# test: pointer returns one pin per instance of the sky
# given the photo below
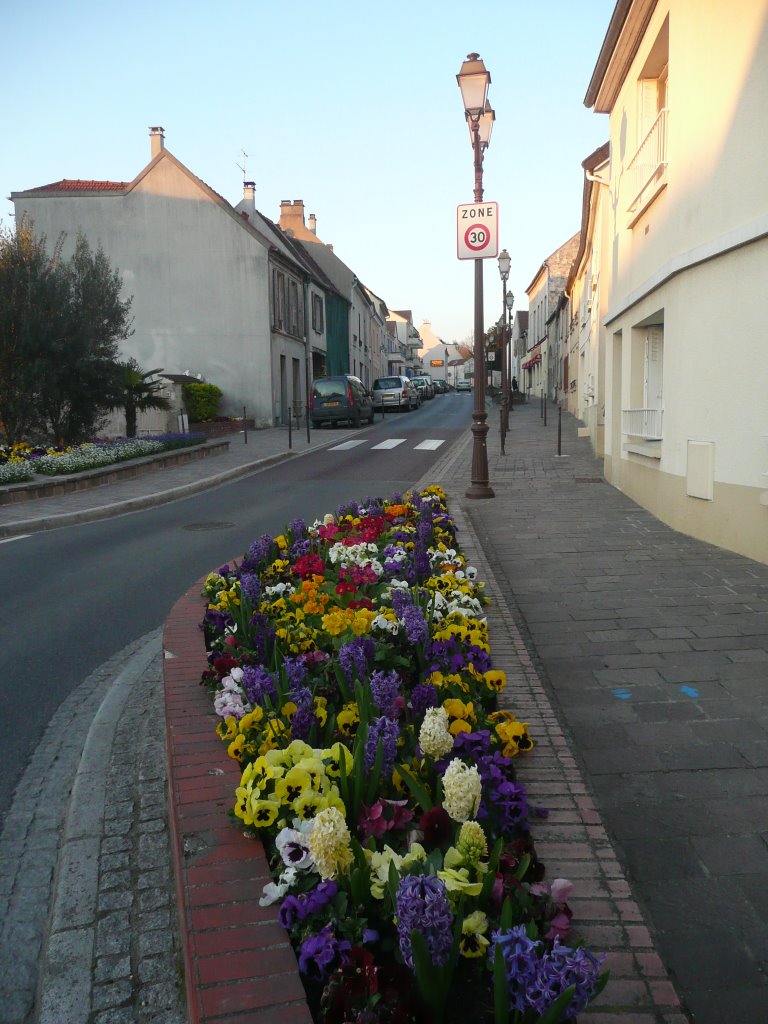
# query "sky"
(353, 108)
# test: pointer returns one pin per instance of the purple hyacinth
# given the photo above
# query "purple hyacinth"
(535, 981)
(322, 953)
(401, 599)
(521, 962)
(250, 585)
(260, 550)
(295, 671)
(356, 656)
(416, 627)
(258, 685)
(385, 691)
(422, 904)
(423, 696)
(304, 716)
(386, 730)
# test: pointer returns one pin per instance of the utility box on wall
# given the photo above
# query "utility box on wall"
(700, 480)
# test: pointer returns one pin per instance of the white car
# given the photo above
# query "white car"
(463, 385)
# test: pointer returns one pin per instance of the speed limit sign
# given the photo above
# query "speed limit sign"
(477, 236)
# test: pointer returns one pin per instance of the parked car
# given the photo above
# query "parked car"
(441, 386)
(463, 385)
(395, 392)
(424, 385)
(334, 399)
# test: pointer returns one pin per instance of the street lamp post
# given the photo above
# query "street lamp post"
(509, 301)
(505, 263)
(474, 79)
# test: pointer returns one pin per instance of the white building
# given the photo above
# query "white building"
(684, 267)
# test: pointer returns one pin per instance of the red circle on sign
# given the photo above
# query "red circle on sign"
(476, 247)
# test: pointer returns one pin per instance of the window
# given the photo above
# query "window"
(644, 419)
(278, 300)
(293, 318)
(647, 170)
(317, 314)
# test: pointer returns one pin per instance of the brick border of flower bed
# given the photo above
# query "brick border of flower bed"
(53, 487)
(238, 961)
(239, 964)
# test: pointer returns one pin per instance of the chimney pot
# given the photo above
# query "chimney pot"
(313, 223)
(157, 140)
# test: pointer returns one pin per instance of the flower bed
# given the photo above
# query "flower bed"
(20, 462)
(350, 667)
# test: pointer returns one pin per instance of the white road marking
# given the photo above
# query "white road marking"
(430, 446)
(391, 442)
(21, 536)
(345, 446)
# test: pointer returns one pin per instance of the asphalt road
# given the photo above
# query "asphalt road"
(73, 597)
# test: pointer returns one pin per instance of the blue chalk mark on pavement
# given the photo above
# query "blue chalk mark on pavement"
(689, 691)
(622, 694)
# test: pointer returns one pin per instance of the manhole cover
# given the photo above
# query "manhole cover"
(207, 526)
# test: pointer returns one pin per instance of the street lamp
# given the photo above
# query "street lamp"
(474, 79)
(509, 301)
(505, 262)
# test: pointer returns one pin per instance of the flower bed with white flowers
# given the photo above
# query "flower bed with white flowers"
(350, 667)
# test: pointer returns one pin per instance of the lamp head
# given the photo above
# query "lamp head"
(505, 262)
(473, 79)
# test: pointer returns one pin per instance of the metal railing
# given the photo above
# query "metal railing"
(645, 423)
(649, 164)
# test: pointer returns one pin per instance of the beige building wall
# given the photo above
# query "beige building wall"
(684, 325)
(199, 279)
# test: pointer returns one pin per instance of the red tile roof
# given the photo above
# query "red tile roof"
(79, 185)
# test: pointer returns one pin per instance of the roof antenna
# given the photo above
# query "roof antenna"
(244, 164)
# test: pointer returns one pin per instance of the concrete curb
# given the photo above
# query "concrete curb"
(27, 526)
(64, 982)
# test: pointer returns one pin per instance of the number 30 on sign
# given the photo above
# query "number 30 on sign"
(477, 231)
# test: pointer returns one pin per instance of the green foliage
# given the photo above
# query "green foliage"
(138, 393)
(201, 401)
(60, 324)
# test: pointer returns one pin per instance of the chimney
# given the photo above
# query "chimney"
(249, 198)
(313, 223)
(292, 217)
(157, 140)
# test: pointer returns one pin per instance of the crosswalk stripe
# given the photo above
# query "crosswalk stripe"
(391, 442)
(345, 446)
(430, 446)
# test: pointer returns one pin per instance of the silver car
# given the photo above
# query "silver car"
(395, 392)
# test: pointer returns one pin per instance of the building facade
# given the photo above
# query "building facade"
(685, 262)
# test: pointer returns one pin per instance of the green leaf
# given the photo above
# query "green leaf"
(507, 915)
(522, 867)
(500, 988)
(418, 791)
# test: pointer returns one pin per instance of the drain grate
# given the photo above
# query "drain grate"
(589, 480)
(207, 526)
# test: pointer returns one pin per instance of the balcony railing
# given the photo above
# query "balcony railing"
(648, 166)
(645, 423)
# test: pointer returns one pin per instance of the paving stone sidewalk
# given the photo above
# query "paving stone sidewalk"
(654, 650)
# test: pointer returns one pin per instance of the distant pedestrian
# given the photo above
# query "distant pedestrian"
(514, 384)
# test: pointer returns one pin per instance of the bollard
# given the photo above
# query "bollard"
(501, 429)
(545, 411)
(308, 438)
(541, 405)
(290, 434)
(245, 427)
(559, 430)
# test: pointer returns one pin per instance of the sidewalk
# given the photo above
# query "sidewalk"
(637, 654)
(244, 453)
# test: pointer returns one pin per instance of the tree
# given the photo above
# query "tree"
(60, 324)
(31, 301)
(79, 372)
(139, 393)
